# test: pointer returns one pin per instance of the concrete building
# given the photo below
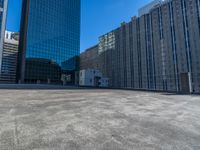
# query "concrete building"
(159, 50)
(93, 78)
(89, 58)
(9, 57)
(3, 14)
(147, 8)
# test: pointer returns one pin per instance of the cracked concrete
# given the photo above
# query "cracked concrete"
(86, 119)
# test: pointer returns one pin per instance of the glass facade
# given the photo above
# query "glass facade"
(1, 3)
(1, 18)
(1, 15)
(52, 38)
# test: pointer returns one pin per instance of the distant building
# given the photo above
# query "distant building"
(159, 50)
(3, 14)
(89, 58)
(49, 37)
(93, 78)
(106, 42)
(9, 57)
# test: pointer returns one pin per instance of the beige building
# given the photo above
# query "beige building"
(9, 57)
(159, 50)
(89, 58)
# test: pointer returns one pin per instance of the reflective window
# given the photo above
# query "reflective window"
(53, 32)
(1, 3)
(1, 18)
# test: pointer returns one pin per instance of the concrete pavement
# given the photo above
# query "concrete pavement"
(98, 120)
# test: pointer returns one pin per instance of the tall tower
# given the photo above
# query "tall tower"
(3, 14)
(49, 39)
(9, 57)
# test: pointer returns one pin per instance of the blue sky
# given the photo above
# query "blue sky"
(98, 17)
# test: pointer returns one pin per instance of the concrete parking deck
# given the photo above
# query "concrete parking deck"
(82, 119)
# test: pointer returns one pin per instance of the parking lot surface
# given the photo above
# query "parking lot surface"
(98, 119)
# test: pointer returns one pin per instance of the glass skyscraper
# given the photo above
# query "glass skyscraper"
(3, 13)
(50, 39)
